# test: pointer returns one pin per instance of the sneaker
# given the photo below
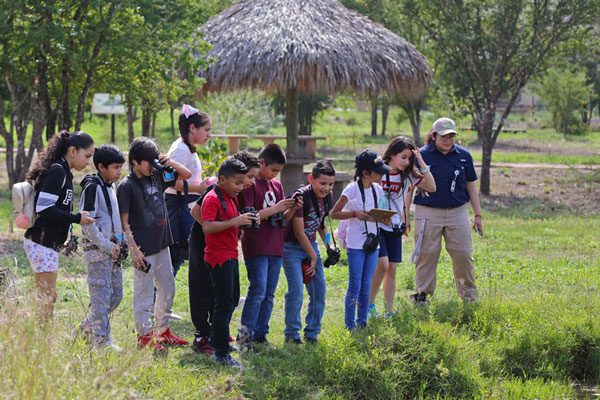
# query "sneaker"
(227, 361)
(419, 298)
(175, 317)
(263, 342)
(289, 339)
(84, 331)
(148, 340)
(170, 339)
(309, 340)
(201, 344)
(372, 312)
(109, 345)
(390, 314)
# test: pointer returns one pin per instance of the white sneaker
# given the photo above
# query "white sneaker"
(108, 345)
(175, 317)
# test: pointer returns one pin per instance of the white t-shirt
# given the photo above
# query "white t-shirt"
(395, 193)
(355, 231)
(181, 153)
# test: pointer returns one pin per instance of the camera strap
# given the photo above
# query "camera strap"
(388, 190)
(312, 198)
(107, 201)
(362, 195)
(222, 199)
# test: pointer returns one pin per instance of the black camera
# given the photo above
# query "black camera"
(371, 242)
(254, 224)
(399, 230)
(167, 172)
(123, 248)
(71, 246)
(333, 257)
(277, 220)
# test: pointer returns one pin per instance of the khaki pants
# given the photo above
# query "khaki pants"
(160, 276)
(453, 225)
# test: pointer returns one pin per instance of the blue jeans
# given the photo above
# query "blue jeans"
(361, 267)
(293, 254)
(263, 275)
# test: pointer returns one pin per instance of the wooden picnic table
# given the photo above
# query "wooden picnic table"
(234, 141)
(310, 142)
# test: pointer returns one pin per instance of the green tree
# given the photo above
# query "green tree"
(491, 49)
(566, 94)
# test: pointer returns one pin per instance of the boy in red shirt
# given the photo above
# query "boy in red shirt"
(220, 222)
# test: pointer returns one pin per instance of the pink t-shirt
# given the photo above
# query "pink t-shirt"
(266, 240)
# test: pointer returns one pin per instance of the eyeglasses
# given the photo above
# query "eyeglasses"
(448, 136)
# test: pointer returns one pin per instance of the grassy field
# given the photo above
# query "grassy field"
(534, 334)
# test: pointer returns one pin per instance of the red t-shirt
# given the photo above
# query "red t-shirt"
(266, 240)
(220, 246)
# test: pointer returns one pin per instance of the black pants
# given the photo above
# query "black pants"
(226, 283)
(202, 296)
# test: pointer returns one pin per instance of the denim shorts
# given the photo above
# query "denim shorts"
(390, 246)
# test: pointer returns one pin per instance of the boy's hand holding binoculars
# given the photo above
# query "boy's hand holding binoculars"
(246, 219)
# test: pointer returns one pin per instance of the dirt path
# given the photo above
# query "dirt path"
(542, 166)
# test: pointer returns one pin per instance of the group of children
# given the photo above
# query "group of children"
(246, 203)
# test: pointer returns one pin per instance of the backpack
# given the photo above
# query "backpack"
(23, 199)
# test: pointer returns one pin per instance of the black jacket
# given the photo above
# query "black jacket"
(53, 204)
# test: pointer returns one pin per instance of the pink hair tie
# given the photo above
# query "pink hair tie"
(188, 110)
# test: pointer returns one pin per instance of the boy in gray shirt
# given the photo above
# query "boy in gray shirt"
(102, 245)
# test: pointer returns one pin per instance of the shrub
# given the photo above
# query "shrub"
(566, 94)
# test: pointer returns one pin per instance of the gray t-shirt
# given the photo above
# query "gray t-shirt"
(143, 199)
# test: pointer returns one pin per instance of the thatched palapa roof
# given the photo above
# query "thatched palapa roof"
(309, 45)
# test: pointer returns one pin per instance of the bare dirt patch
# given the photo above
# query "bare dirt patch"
(544, 191)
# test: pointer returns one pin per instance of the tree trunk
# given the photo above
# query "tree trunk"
(414, 117)
(385, 110)
(291, 122)
(130, 119)
(374, 115)
(153, 125)
(65, 117)
(8, 142)
(485, 125)
(146, 121)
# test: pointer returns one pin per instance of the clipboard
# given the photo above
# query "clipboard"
(381, 214)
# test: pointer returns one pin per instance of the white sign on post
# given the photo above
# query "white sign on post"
(105, 103)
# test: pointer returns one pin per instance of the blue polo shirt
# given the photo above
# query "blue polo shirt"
(456, 166)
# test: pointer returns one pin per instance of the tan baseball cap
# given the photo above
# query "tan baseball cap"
(444, 126)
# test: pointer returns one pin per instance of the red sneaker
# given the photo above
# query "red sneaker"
(149, 340)
(170, 339)
(202, 345)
